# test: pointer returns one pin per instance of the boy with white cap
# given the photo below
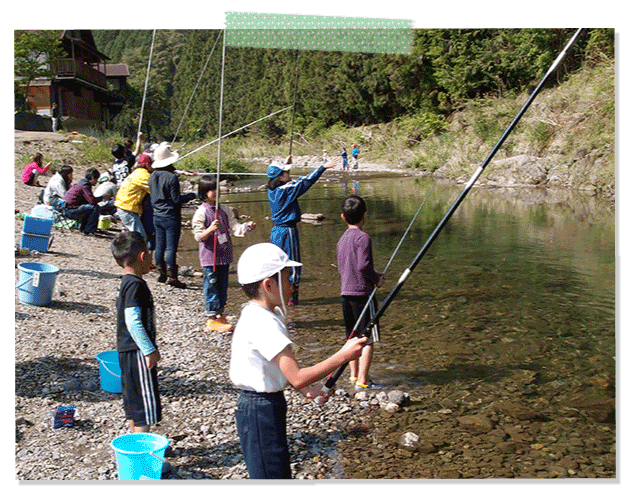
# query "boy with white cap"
(262, 363)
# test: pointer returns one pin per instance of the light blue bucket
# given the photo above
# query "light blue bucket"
(36, 282)
(140, 455)
(109, 369)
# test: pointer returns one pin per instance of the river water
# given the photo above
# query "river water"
(518, 278)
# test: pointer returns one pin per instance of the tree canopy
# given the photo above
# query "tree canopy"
(447, 67)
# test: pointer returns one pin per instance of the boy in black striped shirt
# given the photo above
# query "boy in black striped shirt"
(136, 335)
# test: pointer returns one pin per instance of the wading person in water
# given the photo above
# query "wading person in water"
(283, 194)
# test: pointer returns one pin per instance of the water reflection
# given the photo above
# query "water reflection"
(517, 279)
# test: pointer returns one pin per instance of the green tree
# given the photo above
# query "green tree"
(35, 55)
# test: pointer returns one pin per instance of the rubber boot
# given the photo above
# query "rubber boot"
(161, 269)
(171, 272)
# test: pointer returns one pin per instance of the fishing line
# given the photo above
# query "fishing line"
(196, 86)
(233, 132)
(332, 379)
(146, 82)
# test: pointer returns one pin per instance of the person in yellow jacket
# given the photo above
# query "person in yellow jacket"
(131, 194)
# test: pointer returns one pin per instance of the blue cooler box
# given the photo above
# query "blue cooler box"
(36, 233)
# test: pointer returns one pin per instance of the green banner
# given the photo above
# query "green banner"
(329, 33)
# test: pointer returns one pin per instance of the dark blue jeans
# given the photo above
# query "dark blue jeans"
(86, 216)
(261, 422)
(167, 232)
(215, 288)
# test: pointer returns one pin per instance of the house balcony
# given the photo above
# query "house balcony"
(69, 68)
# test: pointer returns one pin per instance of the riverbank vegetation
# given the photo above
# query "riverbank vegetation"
(439, 110)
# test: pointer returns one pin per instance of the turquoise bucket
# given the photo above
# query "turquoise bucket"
(109, 370)
(36, 282)
(140, 455)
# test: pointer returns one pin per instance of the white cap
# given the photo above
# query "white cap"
(261, 261)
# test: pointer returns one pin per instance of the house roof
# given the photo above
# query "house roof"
(114, 69)
(85, 40)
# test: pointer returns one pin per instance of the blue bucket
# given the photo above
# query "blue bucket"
(140, 455)
(36, 282)
(109, 370)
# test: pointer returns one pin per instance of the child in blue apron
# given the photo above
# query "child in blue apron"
(283, 193)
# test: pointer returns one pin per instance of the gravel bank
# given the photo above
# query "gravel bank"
(513, 425)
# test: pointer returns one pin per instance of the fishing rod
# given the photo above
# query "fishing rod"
(367, 304)
(216, 205)
(295, 90)
(332, 379)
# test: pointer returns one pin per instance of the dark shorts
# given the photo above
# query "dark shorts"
(141, 399)
(352, 306)
(261, 422)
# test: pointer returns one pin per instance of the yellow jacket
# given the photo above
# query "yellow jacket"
(132, 191)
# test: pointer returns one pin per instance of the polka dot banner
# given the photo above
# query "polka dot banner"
(328, 33)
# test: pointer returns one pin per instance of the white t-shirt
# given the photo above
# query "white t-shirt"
(260, 335)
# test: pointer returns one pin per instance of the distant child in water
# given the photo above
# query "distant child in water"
(209, 225)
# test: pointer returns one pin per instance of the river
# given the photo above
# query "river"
(516, 277)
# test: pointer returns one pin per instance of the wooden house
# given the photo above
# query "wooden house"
(87, 91)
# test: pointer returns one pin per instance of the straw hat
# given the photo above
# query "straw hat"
(163, 156)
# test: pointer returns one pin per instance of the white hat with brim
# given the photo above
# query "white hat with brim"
(261, 261)
(163, 156)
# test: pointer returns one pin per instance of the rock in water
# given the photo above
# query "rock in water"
(399, 398)
(476, 424)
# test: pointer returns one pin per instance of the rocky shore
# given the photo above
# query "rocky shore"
(501, 427)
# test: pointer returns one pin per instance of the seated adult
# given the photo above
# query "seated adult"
(57, 187)
(105, 185)
(82, 205)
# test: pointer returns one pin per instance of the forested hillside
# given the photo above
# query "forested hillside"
(447, 69)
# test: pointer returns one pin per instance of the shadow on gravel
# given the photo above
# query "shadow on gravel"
(82, 307)
(78, 379)
(64, 379)
(174, 385)
(92, 274)
(210, 457)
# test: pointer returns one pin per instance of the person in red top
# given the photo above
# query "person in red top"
(82, 205)
(33, 169)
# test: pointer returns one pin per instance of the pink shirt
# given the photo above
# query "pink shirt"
(29, 169)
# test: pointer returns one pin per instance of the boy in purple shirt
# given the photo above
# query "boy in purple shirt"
(358, 279)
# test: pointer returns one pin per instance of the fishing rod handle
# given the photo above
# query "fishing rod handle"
(319, 400)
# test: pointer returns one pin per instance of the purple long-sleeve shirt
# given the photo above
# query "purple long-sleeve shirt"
(354, 261)
(81, 194)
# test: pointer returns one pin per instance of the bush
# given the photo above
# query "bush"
(422, 125)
